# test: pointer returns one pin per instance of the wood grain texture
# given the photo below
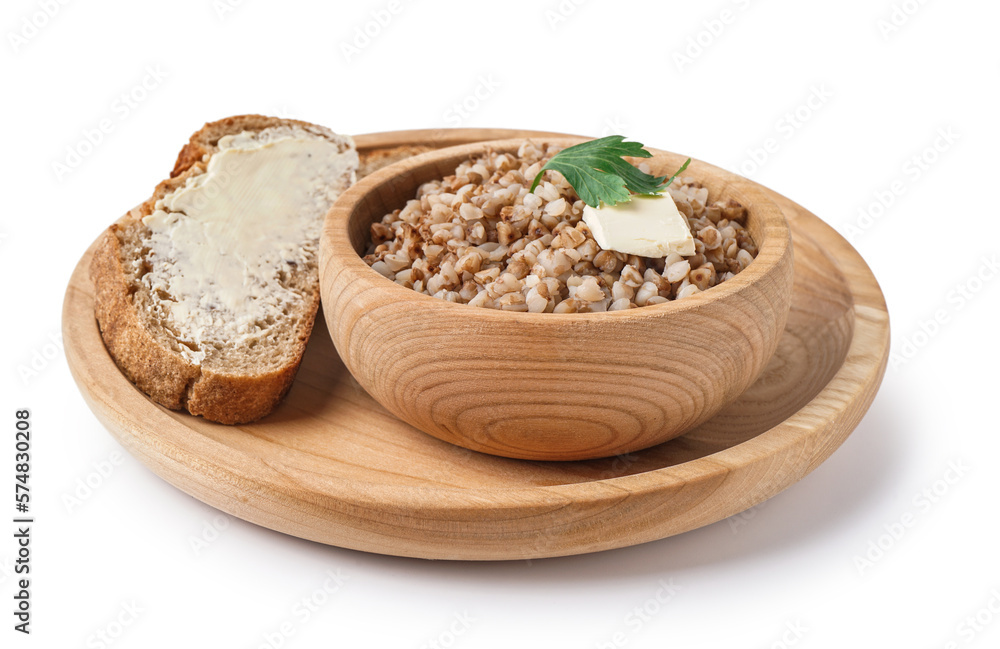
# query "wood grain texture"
(333, 466)
(548, 386)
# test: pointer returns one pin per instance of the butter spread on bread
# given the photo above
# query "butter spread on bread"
(220, 245)
(206, 293)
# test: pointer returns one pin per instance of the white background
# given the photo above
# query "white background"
(870, 97)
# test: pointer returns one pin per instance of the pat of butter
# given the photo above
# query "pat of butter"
(219, 245)
(646, 226)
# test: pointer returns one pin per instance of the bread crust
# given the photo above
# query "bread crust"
(162, 373)
(159, 372)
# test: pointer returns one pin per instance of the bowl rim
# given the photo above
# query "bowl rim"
(336, 248)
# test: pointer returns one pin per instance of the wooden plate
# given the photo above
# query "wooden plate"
(332, 466)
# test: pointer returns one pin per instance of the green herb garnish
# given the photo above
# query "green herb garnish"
(598, 172)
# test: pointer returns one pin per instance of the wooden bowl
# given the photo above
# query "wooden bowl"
(546, 386)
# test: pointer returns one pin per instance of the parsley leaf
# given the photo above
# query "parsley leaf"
(598, 172)
(678, 172)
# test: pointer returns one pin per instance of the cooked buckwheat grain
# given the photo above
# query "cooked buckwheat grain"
(478, 237)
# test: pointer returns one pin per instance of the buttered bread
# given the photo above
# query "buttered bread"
(207, 292)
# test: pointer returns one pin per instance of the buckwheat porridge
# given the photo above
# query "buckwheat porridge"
(478, 237)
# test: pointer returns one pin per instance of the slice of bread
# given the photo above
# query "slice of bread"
(206, 293)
